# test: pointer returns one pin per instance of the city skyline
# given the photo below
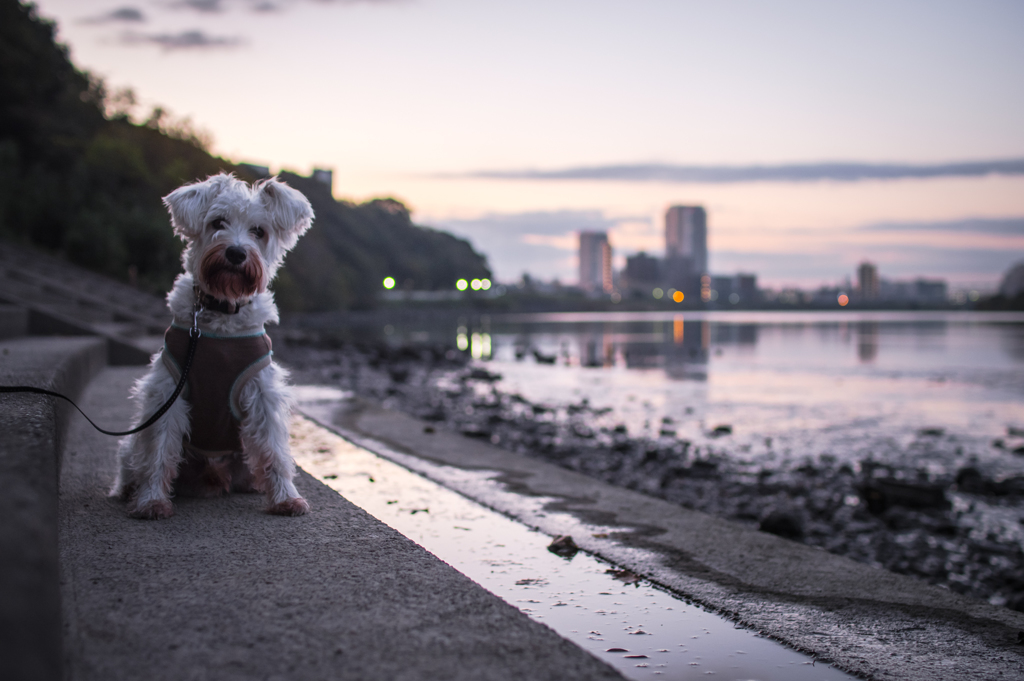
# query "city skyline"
(815, 136)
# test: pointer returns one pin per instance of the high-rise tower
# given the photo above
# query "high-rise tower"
(868, 282)
(595, 262)
(686, 247)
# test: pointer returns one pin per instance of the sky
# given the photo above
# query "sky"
(816, 135)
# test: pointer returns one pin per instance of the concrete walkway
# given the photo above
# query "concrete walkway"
(224, 591)
(863, 619)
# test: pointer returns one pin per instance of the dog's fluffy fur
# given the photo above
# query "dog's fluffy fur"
(263, 220)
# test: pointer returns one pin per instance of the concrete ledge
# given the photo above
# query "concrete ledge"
(224, 591)
(13, 321)
(120, 351)
(32, 430)
(865, 620)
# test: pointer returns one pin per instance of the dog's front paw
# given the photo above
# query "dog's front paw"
(296, 506)
(154, 510)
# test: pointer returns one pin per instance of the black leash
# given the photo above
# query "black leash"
(193, 337)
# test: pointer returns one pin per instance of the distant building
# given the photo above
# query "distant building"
(931, 291)
(735, 289)
(686, 247)
(926, 291)
(324, 176)
(745, 286)
(642, 272)
(595, 262)
(868, 283)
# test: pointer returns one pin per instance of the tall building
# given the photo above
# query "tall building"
(595, 262)
(686, 247)
(868, 283)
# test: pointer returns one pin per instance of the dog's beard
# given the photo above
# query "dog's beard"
(231, 282)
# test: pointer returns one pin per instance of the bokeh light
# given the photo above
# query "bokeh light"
(389, 283)
(843, 299)
(678, 296)
(462, 284)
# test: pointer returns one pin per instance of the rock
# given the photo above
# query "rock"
(399, 374)
(474, 430)
(479, 374)
(624, 576)
(1016, 602)
(544, 359)
(563, 546)
(881, 494)
(783, 523)
(721, 430)
(968, 479)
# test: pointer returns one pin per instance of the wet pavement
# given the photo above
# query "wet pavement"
(642, 630)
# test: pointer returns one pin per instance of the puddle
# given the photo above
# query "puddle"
(638, 628)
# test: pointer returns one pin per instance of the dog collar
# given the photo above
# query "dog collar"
(217, 305)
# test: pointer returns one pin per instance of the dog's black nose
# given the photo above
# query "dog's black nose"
(235, 255)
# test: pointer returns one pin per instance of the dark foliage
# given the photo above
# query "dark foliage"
(74, 182)
(999, 302)
(79, 179)
(341, 262)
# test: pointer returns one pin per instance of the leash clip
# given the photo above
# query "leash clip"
(197, 309)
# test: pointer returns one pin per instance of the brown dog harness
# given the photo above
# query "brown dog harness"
(221, 368)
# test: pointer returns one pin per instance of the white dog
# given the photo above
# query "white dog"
(228, 431)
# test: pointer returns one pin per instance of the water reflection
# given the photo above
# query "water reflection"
(692, 346)
(867, 341)
(686, 356)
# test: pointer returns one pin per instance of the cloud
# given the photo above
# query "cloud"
(796, 172)
(205, 6)
(125, 14)
(995, 226)
(184, 40)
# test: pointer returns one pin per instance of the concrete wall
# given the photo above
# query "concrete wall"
(32, 429)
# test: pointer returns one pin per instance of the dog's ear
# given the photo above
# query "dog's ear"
(189, 204)
(290, 211)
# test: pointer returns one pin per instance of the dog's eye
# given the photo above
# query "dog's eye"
(218, 224)
(257, 232)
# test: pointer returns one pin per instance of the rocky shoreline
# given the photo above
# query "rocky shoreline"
(946, 528)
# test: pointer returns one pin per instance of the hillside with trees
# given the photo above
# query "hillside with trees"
(80, 179)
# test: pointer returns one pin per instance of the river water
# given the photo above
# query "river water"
(844, 385)
(847, 385)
